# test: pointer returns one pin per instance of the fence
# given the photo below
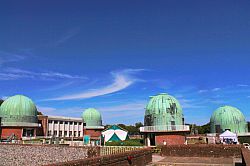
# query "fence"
(108, 150)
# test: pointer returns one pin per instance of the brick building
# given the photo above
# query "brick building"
(164, 122)
(93, 128)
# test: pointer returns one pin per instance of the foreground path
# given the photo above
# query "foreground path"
(194, 161)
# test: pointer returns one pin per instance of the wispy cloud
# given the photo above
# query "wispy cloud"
(203, 91)
(6, 57)
(216, 89)
(124, 107)
(242, 85)
(122, 80)
(15, 74)
(45, 110)
(68, 35)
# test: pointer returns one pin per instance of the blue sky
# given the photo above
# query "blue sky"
(113, 55)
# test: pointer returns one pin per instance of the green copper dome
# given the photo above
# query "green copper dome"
(18, 111)
(92, 117)
(228, 117)
(163, 109)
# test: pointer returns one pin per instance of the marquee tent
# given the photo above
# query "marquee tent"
(228, 136)
(114, 133)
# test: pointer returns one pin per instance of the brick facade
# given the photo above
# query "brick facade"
(169, 139)
(93, 133)
(43, 130)
(6, 132)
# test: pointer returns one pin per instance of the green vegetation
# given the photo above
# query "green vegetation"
(132, 129)
(130, 142)
(244, 139)
(195, 129)
(1, 101)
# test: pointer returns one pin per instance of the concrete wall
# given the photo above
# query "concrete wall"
(202, 150)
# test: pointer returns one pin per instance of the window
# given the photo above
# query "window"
(70, 133)
(61, 122)
(28, 132)
(49, 133)
(75, 134)
(55, 121)
(60, 133)
(66, 122)
(75, 123)
(79, 134)
(50, 121)
(55, 133)
(71, 123)
(80, 123)
(65, 133)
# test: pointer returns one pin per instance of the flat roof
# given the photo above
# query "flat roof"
(63, 118)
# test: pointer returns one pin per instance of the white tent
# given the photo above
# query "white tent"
(228, 135)
(114, 133)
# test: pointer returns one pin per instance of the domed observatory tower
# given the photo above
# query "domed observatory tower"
(228, 118)
(164, 121)
(92, 131)
(18, 117)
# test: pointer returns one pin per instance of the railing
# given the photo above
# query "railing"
(108, 150)
(164, 128)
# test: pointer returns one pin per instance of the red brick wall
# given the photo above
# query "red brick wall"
(42, 131)
(6, 132)
(92, 132)
(202, 150)
(170, 139)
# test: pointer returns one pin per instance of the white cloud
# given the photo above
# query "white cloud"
(203, 91)
(6, 57)
(216, 89)
(242, 85)
(68, 35)
(125, 107)
(45, 109)
(122, 80)
(15, 74)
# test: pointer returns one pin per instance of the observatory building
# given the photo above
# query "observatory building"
(164, 121)
(228, 118)
(20, 121)
(18, 117)
(93, 120)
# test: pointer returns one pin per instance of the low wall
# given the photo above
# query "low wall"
(136, 158)
(245, 156)
(202, 150)
(15, 154)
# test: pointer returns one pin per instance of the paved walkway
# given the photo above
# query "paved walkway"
(188, 161)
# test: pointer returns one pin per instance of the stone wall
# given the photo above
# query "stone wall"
(136, 158)
(202, 150)
(14, 154)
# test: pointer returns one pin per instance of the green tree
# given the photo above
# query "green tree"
(1, 101)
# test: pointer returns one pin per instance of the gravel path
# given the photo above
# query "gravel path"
(13, 155)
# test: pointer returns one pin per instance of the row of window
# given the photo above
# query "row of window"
(61, 122)
(65, 133)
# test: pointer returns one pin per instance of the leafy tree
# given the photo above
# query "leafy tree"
(1, 101)
(138, 125)
(248, 124)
